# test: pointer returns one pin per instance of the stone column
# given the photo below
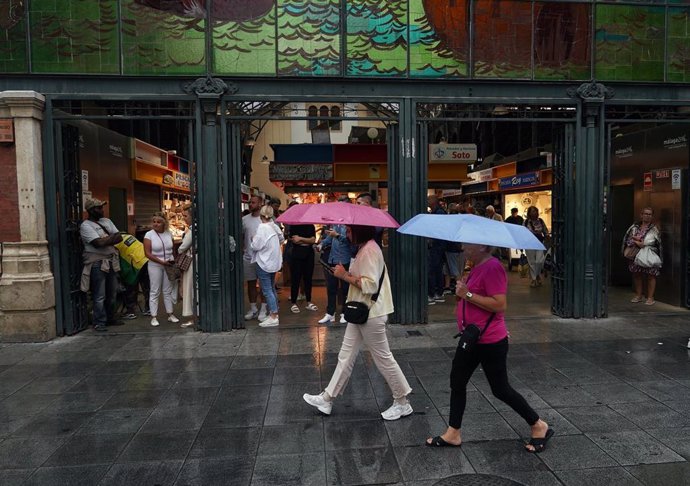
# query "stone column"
(27, 293)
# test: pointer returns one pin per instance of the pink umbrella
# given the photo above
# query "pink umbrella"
(337, 213)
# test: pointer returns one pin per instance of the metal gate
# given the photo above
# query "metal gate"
(68, 264)
(563, 206)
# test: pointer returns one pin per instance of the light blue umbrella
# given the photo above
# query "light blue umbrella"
(468, 228)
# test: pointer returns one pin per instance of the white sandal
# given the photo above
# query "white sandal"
(294, 309)
(312, 307)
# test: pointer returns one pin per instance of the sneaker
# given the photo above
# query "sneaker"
(187, 324)
(397, 411)
(252, 314)
(439, 298)
(269, 322)
(262, 316)
(172, 318)
(319, 402)
(100, 328)
(146, 312)
(155, 323)
(326, 319)
(129, 317)
(342, 319)
(447, 291)
(430, 301)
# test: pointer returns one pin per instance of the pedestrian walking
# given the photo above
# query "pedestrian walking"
(369, 284)
(642, 246)
(535, 258)
(265, 247)
(482, 303)
(158, 245)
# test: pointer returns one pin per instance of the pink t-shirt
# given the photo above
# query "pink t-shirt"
(487, 279)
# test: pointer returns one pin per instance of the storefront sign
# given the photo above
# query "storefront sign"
(301, 172)
(481, 175)
(85, 196)
(84, 180)
(449, 153)
(681, 141)
(451, 192)
(522, 180)
(662, 174)
(181, 180)
(648, 181)
(6, 131)
(675, 179)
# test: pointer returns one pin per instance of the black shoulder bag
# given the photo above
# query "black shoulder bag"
(358, 312)
(470, 335)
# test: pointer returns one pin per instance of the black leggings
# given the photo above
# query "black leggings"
(493, 360)
(301, 269)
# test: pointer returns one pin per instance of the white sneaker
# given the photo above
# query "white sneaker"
(318, 401)
(342, 319)
(262, 316)
(439, 298)
(326, 319)
(187, 324)
(430, 301)
(396, 411)
(269, 322)
(251, 315)
(155, 323)
(172, 318)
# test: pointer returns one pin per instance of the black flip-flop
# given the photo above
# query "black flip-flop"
(439, 442)
(539, 443)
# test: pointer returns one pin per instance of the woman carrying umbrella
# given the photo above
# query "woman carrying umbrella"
(482, 300)
(367, 277)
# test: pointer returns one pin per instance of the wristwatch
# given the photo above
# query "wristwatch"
(468, 295)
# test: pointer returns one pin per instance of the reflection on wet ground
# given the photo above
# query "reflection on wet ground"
(191, 408)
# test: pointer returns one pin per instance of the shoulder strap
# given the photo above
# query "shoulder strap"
(376, 295)
(99, 224)
(491, 318)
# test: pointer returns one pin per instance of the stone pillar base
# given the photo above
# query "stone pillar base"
(27, 293)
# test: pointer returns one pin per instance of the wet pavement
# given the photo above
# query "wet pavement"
(188, 408)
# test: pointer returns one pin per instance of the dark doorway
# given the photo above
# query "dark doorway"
(117, 200)
(622, 216)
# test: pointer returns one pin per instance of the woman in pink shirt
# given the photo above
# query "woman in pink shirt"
(482, 301)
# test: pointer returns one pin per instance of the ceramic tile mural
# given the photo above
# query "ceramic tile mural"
(645, 40)
(13, 55)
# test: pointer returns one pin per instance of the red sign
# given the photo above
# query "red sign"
(7, 131)
(662, 174)
(648, 181)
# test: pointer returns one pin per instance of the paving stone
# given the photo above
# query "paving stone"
(486, 426)
(664, 391)
(122, 421)
(100, 383)
(54, 385)
(297, 374)
(175, 418)
(14, 477)
(297, 470)
(260, 361)
(365, 466)
(249, 376)
(27, 452)
(145, 399)
(289, 360)
(574, 452)
(662, 475)
(208, 364)
(189, 397)
(597, 419)
(226, 471)
(157, 380)
(423, 462)
(563, 396)
(555, 420)
(676, 438)
(610, 476)
(159, 473)
(498, 456)
(71, 475)
(589, 375)
(355, 434)
(615, 393)
(413, 430)
(539, 478)
(294, 438)
(633, 448)
(198, 379)
(89, 449)
(651, 414)
(215, 442)
(58, 425)
(168, 445)
(72, 402)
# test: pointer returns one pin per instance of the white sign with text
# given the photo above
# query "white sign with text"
(453, 153)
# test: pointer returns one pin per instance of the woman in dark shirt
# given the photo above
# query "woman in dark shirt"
(302, 237)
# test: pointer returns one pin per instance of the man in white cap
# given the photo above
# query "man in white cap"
(101, 263)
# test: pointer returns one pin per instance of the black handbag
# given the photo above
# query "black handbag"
(358, 312)
(470, 335)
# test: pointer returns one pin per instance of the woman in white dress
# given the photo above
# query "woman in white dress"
(188, 275)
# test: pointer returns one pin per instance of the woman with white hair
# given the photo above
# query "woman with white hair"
(265, 247)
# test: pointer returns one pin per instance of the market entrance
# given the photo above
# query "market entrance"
(503, 161)
(138, 158)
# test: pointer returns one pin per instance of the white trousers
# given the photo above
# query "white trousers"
(535, 258)
(188, 291)
(373, 336)
(159, 281)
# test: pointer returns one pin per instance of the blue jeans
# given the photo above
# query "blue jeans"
(103, 292)
(266, 282)
(337, 290)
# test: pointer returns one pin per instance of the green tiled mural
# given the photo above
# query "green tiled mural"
(645, 40)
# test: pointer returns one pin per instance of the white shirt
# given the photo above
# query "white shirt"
(265, 247)
(369, 265)
(161, 244)
(249, 226)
